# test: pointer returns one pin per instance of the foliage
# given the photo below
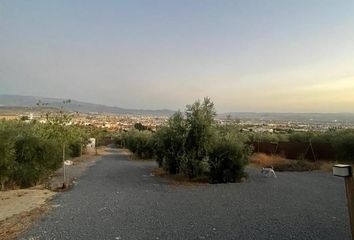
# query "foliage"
(343, 143)
(199, 120)
(29, 151)
(228, 157)
(140, 143)
(301, 137)
(191, 145)
(267, 137)
(35, 158)
(140, 127)
(341, 140)
(170, 143)
(7, 155)
(98, 133)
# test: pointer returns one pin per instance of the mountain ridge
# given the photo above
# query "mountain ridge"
(7, 100)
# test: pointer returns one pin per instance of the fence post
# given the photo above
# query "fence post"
(64, 184)
(346, 171)
(349, 186)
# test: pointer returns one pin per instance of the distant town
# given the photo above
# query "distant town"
(124, 122)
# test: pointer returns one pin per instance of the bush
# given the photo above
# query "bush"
(139, 126)
(201, 128)
(227, 159)
(170, 143)
(140, 143)
(343, 143)
(35, 158)
(191, 167)
(191, 145)
(7, 157)
(74, 149)
(31, 151)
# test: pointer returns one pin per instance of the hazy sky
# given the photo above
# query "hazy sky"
(282, 56)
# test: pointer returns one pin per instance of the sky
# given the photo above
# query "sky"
(253, 56)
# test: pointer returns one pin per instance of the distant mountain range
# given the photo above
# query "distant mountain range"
(84, 107)
(73, 105)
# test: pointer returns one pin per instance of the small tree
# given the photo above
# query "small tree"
(171, 143)
(58, 127)
(200, 123)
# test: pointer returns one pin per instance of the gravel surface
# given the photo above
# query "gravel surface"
(119, 199)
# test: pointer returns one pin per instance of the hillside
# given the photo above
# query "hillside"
(31, 101)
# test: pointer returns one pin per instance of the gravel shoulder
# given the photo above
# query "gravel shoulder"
(119, 198)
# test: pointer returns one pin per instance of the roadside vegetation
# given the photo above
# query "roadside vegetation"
(31, 151)
(192, 145)
(340, 140)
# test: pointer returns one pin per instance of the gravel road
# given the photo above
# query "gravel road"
(119, 199)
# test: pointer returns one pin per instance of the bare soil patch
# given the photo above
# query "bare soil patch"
(19, 208)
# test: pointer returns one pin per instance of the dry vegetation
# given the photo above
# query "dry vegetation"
(20, 208)
(282, 164)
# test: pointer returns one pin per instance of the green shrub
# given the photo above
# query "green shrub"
(227, 159)
(201, 128)
(139, 126)
(140, 143)
(35, 159)
(171, 143)
(74, 149)
(7, 158)
(343, 143)
(191, 167)
(31, 151)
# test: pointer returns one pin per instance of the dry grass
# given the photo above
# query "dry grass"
(10, 228)
(327, 165)
(264, 160)
(282, 164)
(178, 179)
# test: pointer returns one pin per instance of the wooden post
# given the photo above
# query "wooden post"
(346, 171)
(349, 186)
(64, 184)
